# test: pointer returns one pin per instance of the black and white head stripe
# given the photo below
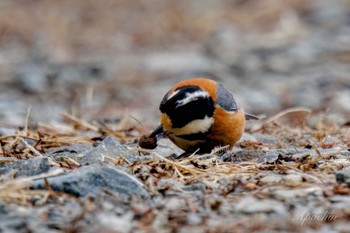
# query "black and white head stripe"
(225, 99)
(192, 96)
(188, 104)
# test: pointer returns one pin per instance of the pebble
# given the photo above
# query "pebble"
(7, 131)
(109, 147)
(273, 178)
(94, 179)
(269, 157)
(252, 205)
(29, 167)
(193, 219)
(75, 152)
(242, 155)
(297, 193)
(343, 176)
(176, 204)
(31, 78)
(169, 186)
(293, 177)
(265, 138)
(107, 222)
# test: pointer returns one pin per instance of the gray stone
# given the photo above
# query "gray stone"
(72, 75)
(343, 176)
(297, 193)
(193, 219)
(293, 177)
(7, 131)
(341, 101)
(75, 152)
(169, 186)
(272, 178)
(270, 156)
(92, 180)
(247, 137)
(109, 147)
(244, 155)
(107, 222)
(340, 199)
(328, 14)
(264, 138)
(29, 167)
(31, 78)
(341, 227)
(176, 204)
(252, 205)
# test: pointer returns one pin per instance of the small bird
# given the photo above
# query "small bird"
(198, 115)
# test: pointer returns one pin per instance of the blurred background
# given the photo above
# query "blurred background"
(101, 59)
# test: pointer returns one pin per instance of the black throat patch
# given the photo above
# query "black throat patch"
(186, 104)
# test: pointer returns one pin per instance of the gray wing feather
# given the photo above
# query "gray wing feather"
(225, 99)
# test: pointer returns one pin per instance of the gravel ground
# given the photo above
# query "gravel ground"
(81, 82)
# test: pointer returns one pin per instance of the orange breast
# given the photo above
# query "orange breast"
(228, 127)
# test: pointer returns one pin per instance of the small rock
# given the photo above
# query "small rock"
(31, 79)
(273, 178)
(293, 177)
(72, 75)
(252, 205)
(343, 176)
(195, 186)
(92, 179)
(109, 147)
(269, 157)
(245, 155)
(112, 223)
(75, 152)
(247, 137)
(169, 186)
(328, 14)
(296, 193)
(193, 219)
(176, 204)
(7, 131)
(340, 199)
(341, 101)
(341, 226)
(29, 167)
(265, 138)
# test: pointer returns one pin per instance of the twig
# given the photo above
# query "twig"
(27, 120)
(35, 151)
(286, 111)
(192, 170)
(79, 121)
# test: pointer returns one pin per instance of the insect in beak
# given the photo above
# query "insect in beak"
(150, 141)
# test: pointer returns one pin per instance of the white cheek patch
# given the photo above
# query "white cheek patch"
(195, 126)
(191, 97)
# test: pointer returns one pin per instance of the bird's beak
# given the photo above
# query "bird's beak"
(158, 133)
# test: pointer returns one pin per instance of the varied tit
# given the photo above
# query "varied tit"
(197, 115)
